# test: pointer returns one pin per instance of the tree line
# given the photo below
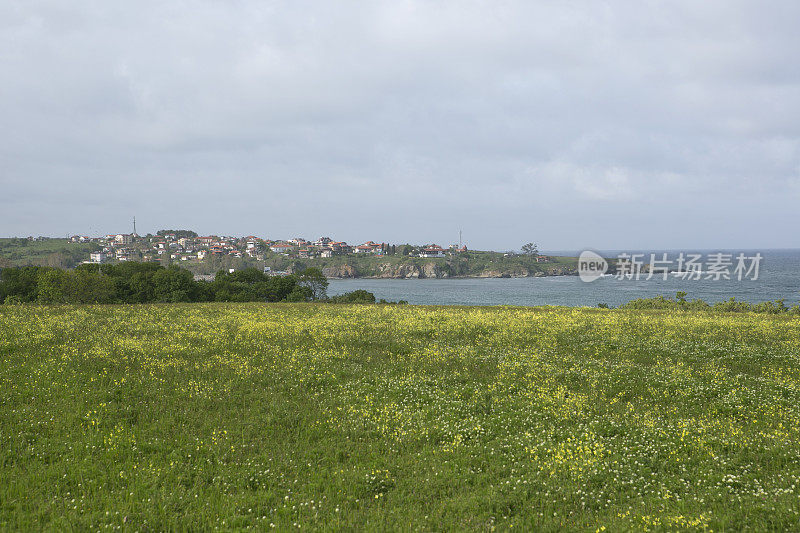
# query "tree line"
(133, 282)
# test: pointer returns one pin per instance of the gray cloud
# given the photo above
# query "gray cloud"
(602, 124)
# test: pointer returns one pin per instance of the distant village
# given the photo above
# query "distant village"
(183, 245)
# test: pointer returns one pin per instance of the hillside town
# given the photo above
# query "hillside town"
(187, 246)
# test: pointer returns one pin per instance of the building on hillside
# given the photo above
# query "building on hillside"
(123, 238)
(339, 247)
(432, 251)
(98, 257)
(281, 248)
(368, 247)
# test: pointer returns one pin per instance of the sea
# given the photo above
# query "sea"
(778, 278)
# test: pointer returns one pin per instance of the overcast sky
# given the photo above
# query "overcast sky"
(618, 124)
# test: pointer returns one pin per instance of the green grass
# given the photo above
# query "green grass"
(231, 416)
(50, 252)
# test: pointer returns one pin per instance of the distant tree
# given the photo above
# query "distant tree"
(315, 280)
(359, 296)
(179, 233)
(530, 249)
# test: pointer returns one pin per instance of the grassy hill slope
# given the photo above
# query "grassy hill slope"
(48, 252)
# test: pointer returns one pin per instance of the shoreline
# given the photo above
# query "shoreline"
(339, 278)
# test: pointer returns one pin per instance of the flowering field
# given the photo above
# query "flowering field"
(232, 416)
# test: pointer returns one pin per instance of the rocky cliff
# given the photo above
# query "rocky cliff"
(340, 271)
(414, 270)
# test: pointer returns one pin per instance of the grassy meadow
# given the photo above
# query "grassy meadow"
(402, 418)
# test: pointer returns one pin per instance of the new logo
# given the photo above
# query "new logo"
(591, 266)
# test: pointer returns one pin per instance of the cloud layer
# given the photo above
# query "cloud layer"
(602, 124)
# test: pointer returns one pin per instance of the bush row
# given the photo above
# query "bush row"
(733, 305)
(134, 282)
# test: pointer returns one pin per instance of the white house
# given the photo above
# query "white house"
(123, 238)
(432, 251)
(281, 248)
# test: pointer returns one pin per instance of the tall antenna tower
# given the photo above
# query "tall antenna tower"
(134, 225)
(459, 239)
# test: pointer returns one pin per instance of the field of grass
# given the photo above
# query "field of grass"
(204, 416)
(53, 252)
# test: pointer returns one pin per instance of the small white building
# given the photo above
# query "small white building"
(98, 257)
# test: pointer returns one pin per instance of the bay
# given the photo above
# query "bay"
(779, 278)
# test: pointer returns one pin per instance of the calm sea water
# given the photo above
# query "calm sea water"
(779, 277)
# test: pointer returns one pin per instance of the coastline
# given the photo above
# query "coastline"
(473, 276)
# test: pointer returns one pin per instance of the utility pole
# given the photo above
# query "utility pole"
(459, 239)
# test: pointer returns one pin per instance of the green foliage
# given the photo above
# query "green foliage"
(731, 306)
(317, 284)
(530, 249)
(179, 233)
(19, 282)
(57, 253)
(51, 286)
(84, 286)
(136, 283)
(359, 296)
(251, 284)
(174, 285)
(300, 293)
